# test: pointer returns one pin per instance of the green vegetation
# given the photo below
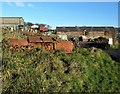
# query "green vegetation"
(13, 34)
(0, 36)
(115, 46)
(86, 70)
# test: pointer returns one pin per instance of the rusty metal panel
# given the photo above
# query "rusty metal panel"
(18, 42)
(43, 29)
(64, 45)
(35, 45)
(33, 39)
(48, 46)
(47, 39)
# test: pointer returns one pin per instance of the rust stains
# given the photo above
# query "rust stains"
(34, 39)
(46, 42)
(47, 39)
(18, 42)
(64, 45)
(43, 29)
(41, 42)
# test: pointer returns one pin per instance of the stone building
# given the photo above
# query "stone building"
(90, 32)
(11, 23)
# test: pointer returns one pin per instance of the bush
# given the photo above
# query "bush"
(86, 70)
(13, 34)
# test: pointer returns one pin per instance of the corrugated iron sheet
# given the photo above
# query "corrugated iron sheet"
(67, 46)
(43, 29)
(36, 39)
(18, 42)
(47, 39)
(33, 39)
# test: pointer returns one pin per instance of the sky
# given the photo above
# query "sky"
(64, 13)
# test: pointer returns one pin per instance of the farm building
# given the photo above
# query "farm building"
(50, 43)
(90, 32)
(41, 42)
(11, 22)
(68, 31)
(46, 42)
(43, 29)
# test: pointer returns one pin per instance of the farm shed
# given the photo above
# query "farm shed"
(46, 42)
(34, 41)
(41, 42)
(44, 29)
(49, 43)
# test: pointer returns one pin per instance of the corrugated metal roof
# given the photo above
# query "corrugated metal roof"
(43, 29)
(33, 39)
(98, 28)
(84, 28)
(47, 39)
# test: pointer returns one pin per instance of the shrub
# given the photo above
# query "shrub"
(86, 70)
